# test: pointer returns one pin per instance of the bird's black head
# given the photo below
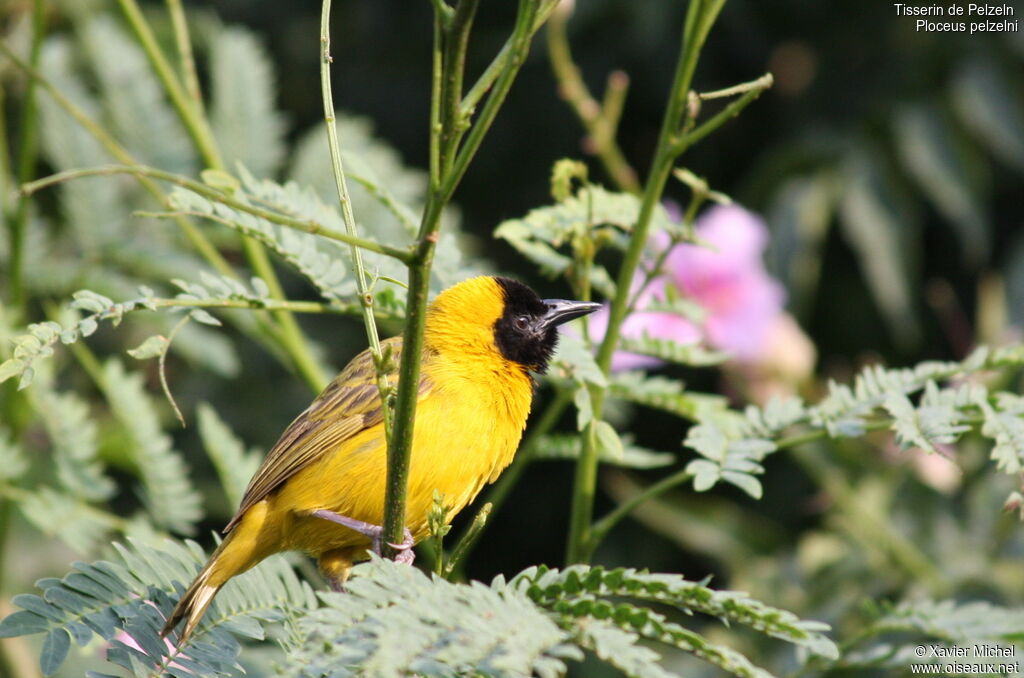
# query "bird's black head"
(527, 331)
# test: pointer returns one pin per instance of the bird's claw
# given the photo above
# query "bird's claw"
(405, 554)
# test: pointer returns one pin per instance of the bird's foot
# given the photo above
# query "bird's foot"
(405, 554)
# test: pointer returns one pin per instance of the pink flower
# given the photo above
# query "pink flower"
(725, 276)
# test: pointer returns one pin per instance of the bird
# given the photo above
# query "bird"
(321, 487)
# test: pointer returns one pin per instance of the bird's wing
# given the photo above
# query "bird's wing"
(349, 404)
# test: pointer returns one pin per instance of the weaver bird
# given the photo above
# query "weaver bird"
(321, 488)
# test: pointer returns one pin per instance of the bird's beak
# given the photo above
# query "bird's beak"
(562, 311)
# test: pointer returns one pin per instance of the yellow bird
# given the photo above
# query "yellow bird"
(321, 488)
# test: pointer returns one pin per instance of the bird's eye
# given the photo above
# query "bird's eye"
(522, 323)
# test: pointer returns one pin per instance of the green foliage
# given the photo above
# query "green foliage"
(734, 447)
(235, 465)
(243, 107)
(604, 216)
(938, 627)
(567, 446)
(168, 493)
(125, 602)
(394, 620)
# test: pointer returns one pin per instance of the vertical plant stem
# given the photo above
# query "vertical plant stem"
(599, 121)
(195, 124)
(26, 164)
(699, 19)
(456, 42)
(188, 62)
(444, 181)
(365, 295)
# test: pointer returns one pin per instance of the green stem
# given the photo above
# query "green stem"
(27, 153)
(290, 335)
(700, 16)
(365, 295)
(752, 90)
(306, 226)
(195, 124)
(466, 544)
(600, 121)
(262, 304)
(456, 42)
(499, 63)
(443, 185)
(188, 62)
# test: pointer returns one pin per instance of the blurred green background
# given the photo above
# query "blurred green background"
(889, 166)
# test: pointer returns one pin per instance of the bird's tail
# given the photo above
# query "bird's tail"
(193, 603)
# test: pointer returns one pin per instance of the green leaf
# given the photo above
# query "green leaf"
(248, 128)
(13, 462)
(664, 394)
(984, 97)
(394, 620)
(573, 361)
(671, 351)
(584, 407)
(138, 111)
(607, 216)
(54, 652)
(946, 169)
(134, 595)
(73, 432)
(152, 347)
(878, 227)
(234, 464)
(608, 442)
(568, 446)
(10, 368)
(577, 590)
(67, 517)
(170, 497)
(563, 172)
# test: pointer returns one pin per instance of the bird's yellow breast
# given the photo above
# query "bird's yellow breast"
(468, 426)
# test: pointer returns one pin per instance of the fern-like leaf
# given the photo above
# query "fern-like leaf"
(567, 446)
(172, 500)
(126, 604)
(245, 120)
(234, 464)
(580, 582)
(396, 621)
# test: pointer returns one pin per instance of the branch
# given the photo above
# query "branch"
(311, 227)
(600, 120)
(446, 173)
(700, 16)
(27, 156)
(365, 295)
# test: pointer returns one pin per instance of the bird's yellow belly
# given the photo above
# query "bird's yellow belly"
(456, 456)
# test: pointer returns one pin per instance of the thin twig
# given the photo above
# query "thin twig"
(188, 61)
(26, 164)
(445, 176)
(191, 117)
(365, 294)
(700, 16)
(306, 226)
(600, 120)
